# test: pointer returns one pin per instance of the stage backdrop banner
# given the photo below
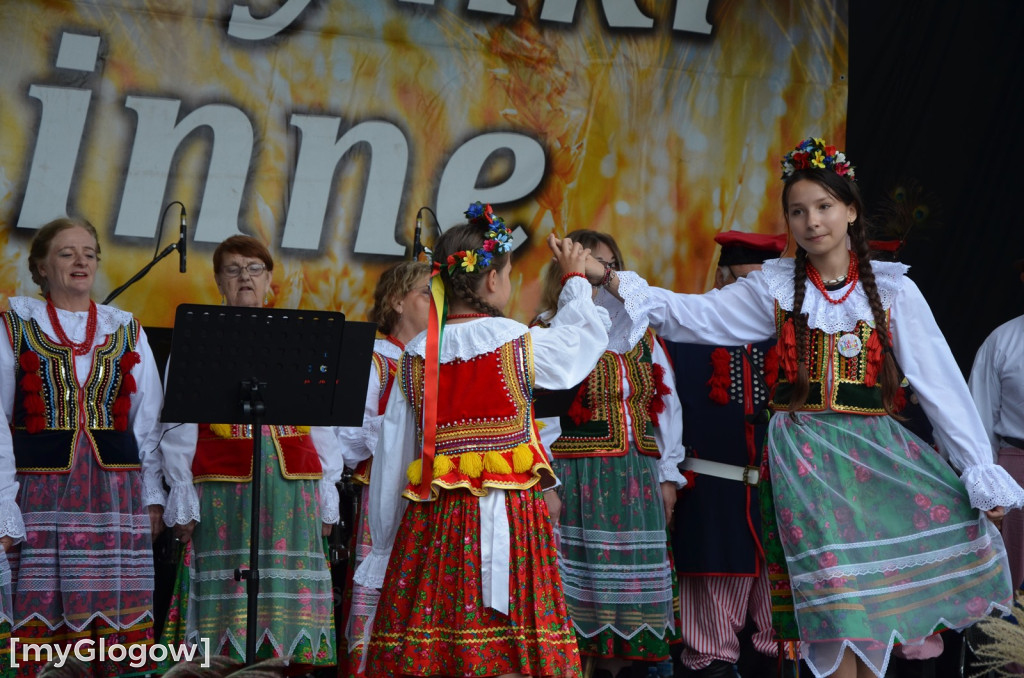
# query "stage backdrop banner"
(322, 127)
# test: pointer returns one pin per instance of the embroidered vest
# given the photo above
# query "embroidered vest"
(837, 369)
(70, 409)
(386, 369)
(224, 453)
(596, 427)
(486, 435)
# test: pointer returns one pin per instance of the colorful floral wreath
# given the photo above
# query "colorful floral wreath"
(812, 153)
(497, 239)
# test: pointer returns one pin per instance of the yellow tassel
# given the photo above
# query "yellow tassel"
(495, 463)
(221, 430)
(471, 464)
(522, 458)
(415, 472)
(443, 465)
(304, 430)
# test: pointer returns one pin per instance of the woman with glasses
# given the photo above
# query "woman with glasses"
(208, 467)
(616, 458)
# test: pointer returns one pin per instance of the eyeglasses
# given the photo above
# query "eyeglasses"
(614, 265)
(233, 270)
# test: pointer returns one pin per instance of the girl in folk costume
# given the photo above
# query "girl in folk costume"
(400, 304)
(81, 394)
(617, 458)
(209, 468)
(881, 541)
(456, 497)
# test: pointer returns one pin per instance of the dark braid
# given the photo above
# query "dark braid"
(889, 374)
(464, 285)
(802, 387)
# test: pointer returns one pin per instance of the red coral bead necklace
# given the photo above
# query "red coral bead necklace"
(90, 329)
(852, 276)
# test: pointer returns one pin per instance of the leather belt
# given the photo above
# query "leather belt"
(745, 474)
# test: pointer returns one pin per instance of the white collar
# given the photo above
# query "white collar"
(832, 318)
(387, 348)
(465, 341)
(108, 318)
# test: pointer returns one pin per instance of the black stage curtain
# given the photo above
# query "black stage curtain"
(936, 106)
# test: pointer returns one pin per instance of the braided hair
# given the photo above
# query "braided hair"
(465, 285)
(845, 191)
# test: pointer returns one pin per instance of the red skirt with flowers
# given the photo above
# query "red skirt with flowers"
(431, 619)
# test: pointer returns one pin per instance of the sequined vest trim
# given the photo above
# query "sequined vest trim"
(70, 409)
(605, 434)
(836, 380)
(224, 453)
(386, 369)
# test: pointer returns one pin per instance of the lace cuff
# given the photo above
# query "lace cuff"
(153, 489)
(630, 319)
(330, 503)
(668, 472)
(371, 573)
(11, 524)
(182, 505)
(989, 486)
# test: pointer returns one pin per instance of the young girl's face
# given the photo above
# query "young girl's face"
(817, 219)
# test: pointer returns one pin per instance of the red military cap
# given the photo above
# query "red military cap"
(748, 248)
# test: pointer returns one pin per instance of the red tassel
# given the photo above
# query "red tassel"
(874, 360)
(899, 401)
(29, 361)
(771, 367)
(578, 412)
(127, 385)
(121, 422)
(129, 360)
(34, 404)
(122, 405)
(788, 356)
(720, 380)
(34, 423)
(661, 388)
(31, 383)
(691, 480)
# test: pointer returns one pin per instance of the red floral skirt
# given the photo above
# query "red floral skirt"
(431, 619)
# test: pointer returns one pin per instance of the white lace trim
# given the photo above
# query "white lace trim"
(629, 316)
(669, 469)
(153, 489)
(192, 638)
(53, 626)
(11, 523)
(989, 486)
(182, 505)
(267, 573)
(465, 341)
(108, 318)
(622, 634)
(832, 318)
(330, 503)
(371, 572)
(387, 349)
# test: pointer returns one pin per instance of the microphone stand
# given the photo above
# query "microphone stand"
(138, 276)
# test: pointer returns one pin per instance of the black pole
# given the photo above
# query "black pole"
(138, 276)
(252, 404)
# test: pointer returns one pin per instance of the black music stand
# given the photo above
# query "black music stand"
(259, 366)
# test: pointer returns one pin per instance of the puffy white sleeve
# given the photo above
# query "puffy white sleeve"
(178, 449)
(359, 442)
(144, 416)
(986, 389)
(11, 523)
(669, 431)
(928, 364)
(566, 351)
(332, 464)
(396, 449)
(740, 313)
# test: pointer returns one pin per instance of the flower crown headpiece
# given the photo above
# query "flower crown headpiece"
(497, 240)
(812, 153)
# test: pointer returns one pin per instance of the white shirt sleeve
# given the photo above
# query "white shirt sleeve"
(565, 352)
(986, 389)
(145, 422)
(396, 449)
(178, 449)
(740, 313)
(332, 464)
(358, 443)
(11, 523)
(927, 362)
(669, 431)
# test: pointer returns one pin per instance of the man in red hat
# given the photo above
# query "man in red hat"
(724, 392)
(997, 384)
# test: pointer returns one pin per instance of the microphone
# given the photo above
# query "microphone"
(416, 246)
(182, 241)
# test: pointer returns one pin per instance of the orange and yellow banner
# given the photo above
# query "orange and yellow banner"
(323, 127)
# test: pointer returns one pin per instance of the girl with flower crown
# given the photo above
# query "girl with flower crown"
(456, 494)
(617, 458)
(871, 538)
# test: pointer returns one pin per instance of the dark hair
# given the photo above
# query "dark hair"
(40, 246)
(243, 245)
(845, 191)
(393, 284)
(553, 271)
(464, 285)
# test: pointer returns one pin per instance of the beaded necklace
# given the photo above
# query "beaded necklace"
(852, 275)
(90, 329)
(466, 316)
